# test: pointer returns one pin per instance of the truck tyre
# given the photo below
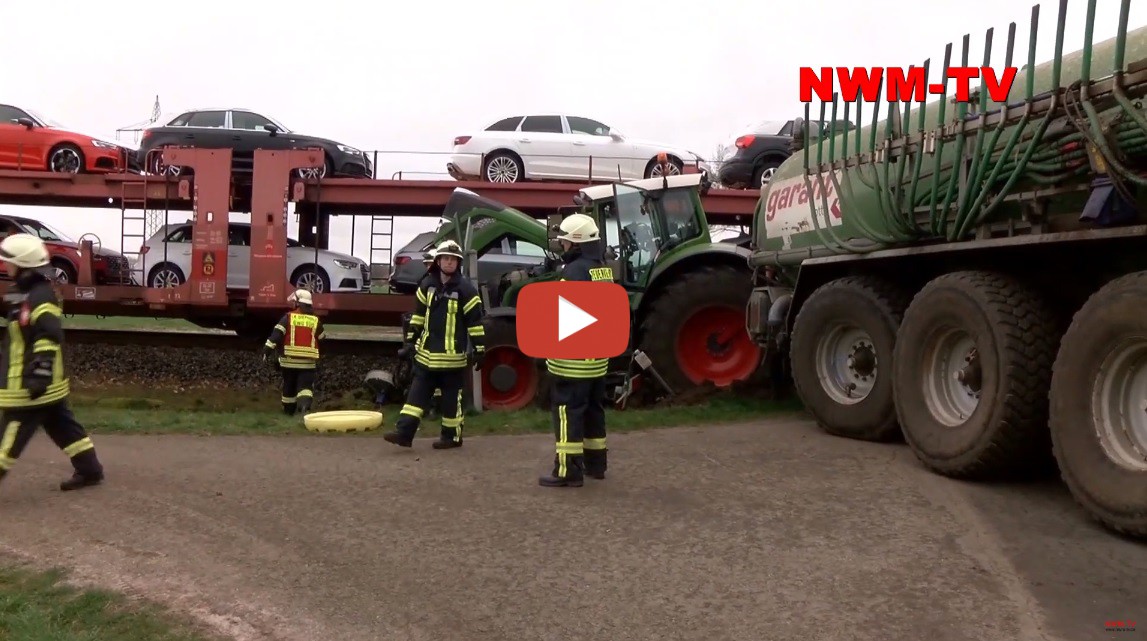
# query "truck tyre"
(694, 331)
(1098, 422)
(509, 377)
(971, 373)
(841, 356)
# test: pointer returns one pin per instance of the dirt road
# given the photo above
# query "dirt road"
(764, 531)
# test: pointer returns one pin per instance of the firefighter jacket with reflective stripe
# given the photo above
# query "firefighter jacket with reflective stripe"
(584, 264)
(447, 320)
(299, 333)
(33, 343)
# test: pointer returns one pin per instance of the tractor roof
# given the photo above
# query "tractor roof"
(600, 192)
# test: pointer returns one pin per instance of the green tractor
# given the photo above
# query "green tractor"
(688, 293)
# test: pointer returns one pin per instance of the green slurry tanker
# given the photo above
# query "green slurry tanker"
(973, 276)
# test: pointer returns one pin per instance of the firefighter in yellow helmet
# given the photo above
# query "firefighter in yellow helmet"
(298, 334)
(35, 393)
(447, 323)
(578, 392)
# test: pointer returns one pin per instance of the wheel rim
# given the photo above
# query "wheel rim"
(66, 161)
(656, 171)
(767, 175)
(712, 346)
(509, 379)
(165, 278)
(502, 169)
(1119, 404)
(159, 168)
(313, 173)
(60, 274)
(310, 281)
(846, 364)
(953, 376)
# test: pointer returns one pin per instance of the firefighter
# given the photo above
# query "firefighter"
(447, 322)
(299, 331)
(35, 393)
(579, 384)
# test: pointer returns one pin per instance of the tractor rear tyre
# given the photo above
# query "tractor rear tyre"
(1098, 422)
(971, 373)
(695, 330)
(841, 356)
(510, 379)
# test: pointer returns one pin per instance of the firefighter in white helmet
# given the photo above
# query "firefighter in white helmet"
(578, 392)
(35, 393)
(298, 334)
(447, 323)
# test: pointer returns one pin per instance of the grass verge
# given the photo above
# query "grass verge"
(36, 606)
(127, 411)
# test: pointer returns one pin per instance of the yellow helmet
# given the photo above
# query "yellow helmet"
(578, 228)
(24, 250)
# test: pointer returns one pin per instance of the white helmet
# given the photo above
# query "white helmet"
(24, 250)
(578, 228)
(428, 257)
(301, 296)
(448, 248)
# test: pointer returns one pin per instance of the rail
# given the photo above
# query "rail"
(383, 345)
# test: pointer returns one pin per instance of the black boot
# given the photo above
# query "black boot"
(79, 481)
(446, 440)
(398, 438)
(595, 464)
(305, 405)
(88, 471)
(289, 409)
(574, 477)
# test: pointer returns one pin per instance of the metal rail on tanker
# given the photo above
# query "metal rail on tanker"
(972, 277)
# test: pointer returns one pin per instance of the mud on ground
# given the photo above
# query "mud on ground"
(758, 531)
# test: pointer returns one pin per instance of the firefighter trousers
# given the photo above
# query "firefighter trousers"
(579, 427)
(20, 424)
(426, 381)
(297, 392)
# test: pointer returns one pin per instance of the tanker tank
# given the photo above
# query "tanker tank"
(893, 197)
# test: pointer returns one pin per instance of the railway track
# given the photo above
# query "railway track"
(219, 341)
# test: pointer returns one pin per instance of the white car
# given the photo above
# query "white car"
(550, 147)
(336, 273)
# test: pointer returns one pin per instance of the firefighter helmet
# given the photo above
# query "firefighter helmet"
(301, 296)
(578, 228)
(448, 248)
(428, 257)
(24, 250)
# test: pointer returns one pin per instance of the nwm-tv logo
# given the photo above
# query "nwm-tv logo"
(900, 85)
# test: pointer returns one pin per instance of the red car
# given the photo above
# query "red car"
(31, 142)
(109, 267)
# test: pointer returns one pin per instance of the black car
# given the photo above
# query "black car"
(759, 152)
(243, 131)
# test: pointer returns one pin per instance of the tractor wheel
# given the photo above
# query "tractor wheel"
(695, 330)
(841, 355)
(510, 379)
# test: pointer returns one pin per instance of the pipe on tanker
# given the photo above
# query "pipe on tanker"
(779, 311)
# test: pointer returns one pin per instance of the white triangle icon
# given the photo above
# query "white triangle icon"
(571, 319)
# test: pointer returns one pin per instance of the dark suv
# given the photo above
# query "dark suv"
(759, 152)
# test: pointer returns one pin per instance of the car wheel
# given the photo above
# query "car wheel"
(653, 170)
(765, 173)
(63, 272)
(165, 276)
(157, 167)
(311, 277)
(315, 173)
(66, 159)
(503, 167)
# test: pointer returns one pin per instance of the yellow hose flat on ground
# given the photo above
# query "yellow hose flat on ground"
(343, 421)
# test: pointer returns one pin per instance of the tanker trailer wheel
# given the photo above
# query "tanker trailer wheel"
(971, 372)
(841, 355)
(695, 330)
(510, 379)
(1099, 405)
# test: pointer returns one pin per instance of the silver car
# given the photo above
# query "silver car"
(165, 261)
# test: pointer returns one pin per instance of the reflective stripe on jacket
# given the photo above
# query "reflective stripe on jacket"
(582, 268)
(447, 320)
(299, 333)
(35, 333)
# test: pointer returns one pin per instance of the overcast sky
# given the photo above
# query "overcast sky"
(412, 76)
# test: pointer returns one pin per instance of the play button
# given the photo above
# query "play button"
(571, 319)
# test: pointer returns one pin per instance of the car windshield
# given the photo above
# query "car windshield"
(45, 121)
(44, 231)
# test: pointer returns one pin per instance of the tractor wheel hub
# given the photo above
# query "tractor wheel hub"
(503, 378)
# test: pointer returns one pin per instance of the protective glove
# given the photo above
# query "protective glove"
(405, 350)
(38, 379)
(476, 359)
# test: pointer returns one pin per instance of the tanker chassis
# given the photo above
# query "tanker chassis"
(976, 282)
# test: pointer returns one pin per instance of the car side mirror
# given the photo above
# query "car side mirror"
(26, 122)
(272, 129)
(616, 136)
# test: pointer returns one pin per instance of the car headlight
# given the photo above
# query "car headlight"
(101, 144)
(346, 264)
(346, 149)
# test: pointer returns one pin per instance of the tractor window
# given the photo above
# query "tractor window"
(522, 248)
(638, 241)
(680, 216)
